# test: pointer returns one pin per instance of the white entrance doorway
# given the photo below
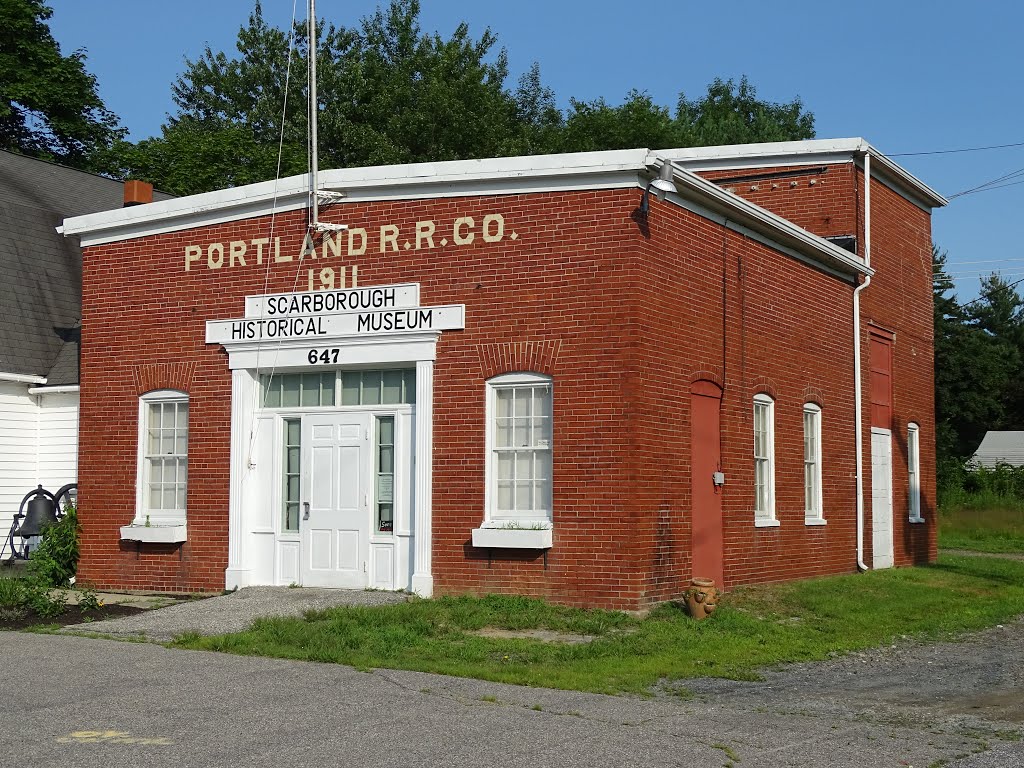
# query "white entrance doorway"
(881, 498)
(335, 511)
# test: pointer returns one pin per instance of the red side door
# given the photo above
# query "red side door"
(706, 497)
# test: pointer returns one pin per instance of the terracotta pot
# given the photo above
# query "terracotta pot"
(701, 598)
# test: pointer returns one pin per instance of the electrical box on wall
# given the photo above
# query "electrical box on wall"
(718, 478)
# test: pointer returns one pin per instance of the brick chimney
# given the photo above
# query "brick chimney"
(137, 193)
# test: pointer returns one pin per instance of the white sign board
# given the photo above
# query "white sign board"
(325, 326)
(374, 297)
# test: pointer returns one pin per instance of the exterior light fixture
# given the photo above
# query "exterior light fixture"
(661, 186)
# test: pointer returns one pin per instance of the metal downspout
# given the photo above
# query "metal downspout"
(857, 388)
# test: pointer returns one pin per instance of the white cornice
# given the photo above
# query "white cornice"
(811, 152)
(23, 378)
(740, 214)
(458, 178)
(495, 176)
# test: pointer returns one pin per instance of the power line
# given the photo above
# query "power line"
(952, 151)
(982, 261)
(991, 184)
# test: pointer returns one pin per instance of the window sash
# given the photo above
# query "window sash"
(764, 480)
(913, 472)
(812, 464)
(521, 459)
(164, 453)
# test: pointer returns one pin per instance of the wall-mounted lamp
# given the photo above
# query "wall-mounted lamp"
(661, 185)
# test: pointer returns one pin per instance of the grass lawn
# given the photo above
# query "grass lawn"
(982, 527)
(753, 627)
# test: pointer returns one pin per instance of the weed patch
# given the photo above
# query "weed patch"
(754, 627)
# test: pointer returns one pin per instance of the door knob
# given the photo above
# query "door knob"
(305, 510)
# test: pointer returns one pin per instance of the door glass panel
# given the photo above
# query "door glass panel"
(291, 483)
(384, 466)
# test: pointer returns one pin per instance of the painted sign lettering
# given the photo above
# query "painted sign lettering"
(355, 241)
(442, 318)
(319, 302)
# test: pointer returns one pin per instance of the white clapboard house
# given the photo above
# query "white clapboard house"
(40, 312)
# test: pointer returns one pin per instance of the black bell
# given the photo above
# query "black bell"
(41, 513)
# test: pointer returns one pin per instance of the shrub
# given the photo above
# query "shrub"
(44, 601)
(88, 600)
(12, 593)
(55, 560)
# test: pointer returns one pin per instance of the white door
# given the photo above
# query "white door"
(881, 498)
(335, 517)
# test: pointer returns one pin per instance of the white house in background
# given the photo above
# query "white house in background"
(1000, 448)
(40, 313)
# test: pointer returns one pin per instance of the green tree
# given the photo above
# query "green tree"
(389, 93)
(49, 106)
(729, 113)
(977, 363)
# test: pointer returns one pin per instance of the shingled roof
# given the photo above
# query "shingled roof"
(41, 271)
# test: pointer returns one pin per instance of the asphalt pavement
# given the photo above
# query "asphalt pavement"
(103, 703)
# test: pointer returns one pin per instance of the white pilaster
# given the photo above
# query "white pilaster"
(243, 393)
(422, 577)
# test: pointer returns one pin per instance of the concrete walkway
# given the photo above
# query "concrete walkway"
(233, 612)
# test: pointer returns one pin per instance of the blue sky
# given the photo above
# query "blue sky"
(909, 76)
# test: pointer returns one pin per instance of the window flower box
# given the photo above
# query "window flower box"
(154, 534)
(511, 536)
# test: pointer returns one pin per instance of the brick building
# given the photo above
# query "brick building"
(586, 377)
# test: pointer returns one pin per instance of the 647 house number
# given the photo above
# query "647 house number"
(321, 356)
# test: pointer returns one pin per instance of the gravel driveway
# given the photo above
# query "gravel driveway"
(970, 690)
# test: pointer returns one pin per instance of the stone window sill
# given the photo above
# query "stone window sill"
(154, 534)
(512, 538)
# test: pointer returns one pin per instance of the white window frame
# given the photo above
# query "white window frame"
(765, 518)
(492, 516)
(814, 513)
(914, 472)
(155, 517)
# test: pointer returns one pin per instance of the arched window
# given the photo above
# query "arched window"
(163, 457)
(519, 447)
(764, 461)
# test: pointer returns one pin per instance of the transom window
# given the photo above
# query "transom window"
(519, 451)
(812, 464)
(164, 456)
(327, 389)
(764, 460)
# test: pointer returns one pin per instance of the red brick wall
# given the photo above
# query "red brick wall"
(717, 305)
(898, 300)
(622, 321)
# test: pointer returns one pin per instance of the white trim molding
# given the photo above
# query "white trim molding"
(765, 516)
(914, 472)
(24, 378)
(144, 516)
